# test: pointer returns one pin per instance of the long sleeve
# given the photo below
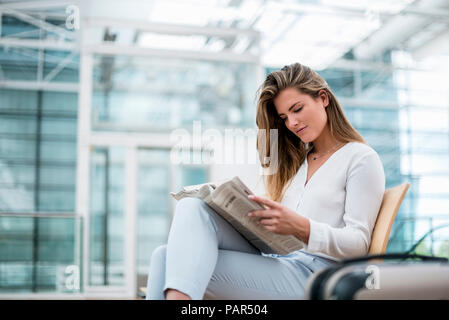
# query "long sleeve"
(365, 187)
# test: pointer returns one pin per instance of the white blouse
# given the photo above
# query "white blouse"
(341, 201)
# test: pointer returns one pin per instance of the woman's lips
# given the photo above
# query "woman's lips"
(301, 130)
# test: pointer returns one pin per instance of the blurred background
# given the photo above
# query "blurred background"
(90, 92)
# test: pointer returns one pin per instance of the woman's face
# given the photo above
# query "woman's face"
(302, 114)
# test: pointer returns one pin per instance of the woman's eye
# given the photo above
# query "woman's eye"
(297, 110)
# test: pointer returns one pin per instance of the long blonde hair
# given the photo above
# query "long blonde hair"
(291, 150)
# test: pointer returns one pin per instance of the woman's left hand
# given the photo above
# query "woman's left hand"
(278, 218)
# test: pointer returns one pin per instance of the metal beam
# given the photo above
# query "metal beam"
(357, 65)
(169, 28)
(41, 214)
(130, 225)
(83, 158)
(40, 23)
(156, 140)
(49, 58)
(398, 29)
(112, 49)
(40, 85)
(39, 44)
(108, 49)
(60, 66)
(412, 10)
(40, 58)
(37, 170)
(105, 217)
(24, 5)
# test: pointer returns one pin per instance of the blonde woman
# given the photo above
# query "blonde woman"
(326, 191)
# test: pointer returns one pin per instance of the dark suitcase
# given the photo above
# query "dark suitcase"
(371, 277)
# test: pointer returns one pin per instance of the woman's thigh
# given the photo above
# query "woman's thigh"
(193, 214)
(240, 275)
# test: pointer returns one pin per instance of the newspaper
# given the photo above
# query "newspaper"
(229, 198)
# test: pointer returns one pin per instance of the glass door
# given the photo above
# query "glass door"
(156, 178)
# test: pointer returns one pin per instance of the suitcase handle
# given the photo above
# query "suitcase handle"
(391, 256)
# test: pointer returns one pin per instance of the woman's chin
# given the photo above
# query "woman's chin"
(303, 138)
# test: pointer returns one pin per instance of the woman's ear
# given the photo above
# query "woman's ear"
(324, 97)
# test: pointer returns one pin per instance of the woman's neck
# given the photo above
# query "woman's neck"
(324, 142)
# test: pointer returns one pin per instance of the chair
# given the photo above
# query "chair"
(389, 208)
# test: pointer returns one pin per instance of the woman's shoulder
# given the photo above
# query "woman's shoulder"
(359, 153)
(363, 159)
(360, 149)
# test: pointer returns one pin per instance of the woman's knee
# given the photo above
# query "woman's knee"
(196, 211)
(159, 253)
(190, 202)
(192, 206)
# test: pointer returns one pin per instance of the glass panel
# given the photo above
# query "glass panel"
(69, 73)
(411, 140)
(161, 94)
(430, 163)
(155, 206)
(57, 199)
(377, 85)
(367, 118)
(433, 205)
(434, 185)
(60, 103)
(40, 254)
(17, 102)
(17, 148)
(429, 142)
(22, 63)
(431, 120)
(106, 259)
(37, 152)
(19, 63)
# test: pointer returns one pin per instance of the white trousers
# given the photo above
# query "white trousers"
(206, 258)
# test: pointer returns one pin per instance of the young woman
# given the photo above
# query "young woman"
(326, 191)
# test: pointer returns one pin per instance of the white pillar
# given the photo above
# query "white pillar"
(130, 232)
(83, 153)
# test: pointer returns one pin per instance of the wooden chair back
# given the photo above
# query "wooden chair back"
(387, 214)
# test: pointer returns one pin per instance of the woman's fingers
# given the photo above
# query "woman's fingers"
(267, 222)
(267, 202)
(268, 213)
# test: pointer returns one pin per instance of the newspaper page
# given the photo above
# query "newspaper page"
(230, 200)
(196, 191)
(232, 197)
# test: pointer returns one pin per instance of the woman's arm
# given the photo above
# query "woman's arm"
(365, 187)
(281, 219)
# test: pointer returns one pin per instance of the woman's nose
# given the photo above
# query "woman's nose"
(292, 122)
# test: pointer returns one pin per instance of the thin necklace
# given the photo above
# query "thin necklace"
(319, 156)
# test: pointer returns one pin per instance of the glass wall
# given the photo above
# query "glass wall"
(37, 150)
(156, 179)
(40, 234)
(39, 253)
(400, 108)
(402, 112)
(107, 220)
(153, 94)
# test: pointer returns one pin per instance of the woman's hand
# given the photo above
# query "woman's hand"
(280, 219)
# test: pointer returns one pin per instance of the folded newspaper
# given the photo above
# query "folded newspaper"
(229, 198)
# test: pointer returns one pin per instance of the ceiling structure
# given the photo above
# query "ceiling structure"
(317, 33)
